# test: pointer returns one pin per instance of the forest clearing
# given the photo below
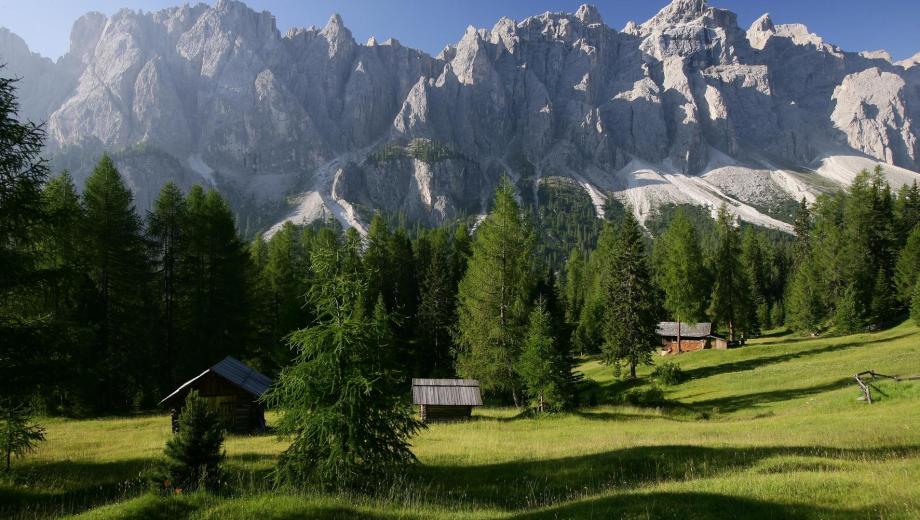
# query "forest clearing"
(798, 444)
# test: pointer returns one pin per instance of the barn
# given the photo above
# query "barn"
(232, 389)
(445, 399)
(693, 337)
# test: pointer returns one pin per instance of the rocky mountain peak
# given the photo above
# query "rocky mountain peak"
(761, 31)
(588, 14)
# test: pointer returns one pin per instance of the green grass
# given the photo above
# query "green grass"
(770, 430)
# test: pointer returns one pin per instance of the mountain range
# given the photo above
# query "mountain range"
(686, 107)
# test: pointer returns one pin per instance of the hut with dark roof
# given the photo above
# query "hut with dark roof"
(445, 399)
(232, 389)
(693, 337)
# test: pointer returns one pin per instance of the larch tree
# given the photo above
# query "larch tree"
(729, 303)
(341, 400)
(680, 271)
(165, 226)
(118, 267)
(494, 295)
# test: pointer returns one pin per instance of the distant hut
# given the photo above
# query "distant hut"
(232, 389)
(693, 337)
(445, 399)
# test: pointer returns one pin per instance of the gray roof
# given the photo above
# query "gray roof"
(687, 330)
(234, 371)
(450, 392)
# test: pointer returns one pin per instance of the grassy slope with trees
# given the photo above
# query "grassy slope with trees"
(797, 444)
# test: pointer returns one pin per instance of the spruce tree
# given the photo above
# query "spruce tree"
(906, 211)
(730, 303)
(589, 333)
(494, 296)
(195, 452)
(18, 434)
(680, 271)
(630, 301)
(881, 310)
(341, 400)
(543, 365)
(23, 325)
(574, 285)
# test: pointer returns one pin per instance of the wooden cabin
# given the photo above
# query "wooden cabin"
(693, 337)
(445, 399)
(232, 389)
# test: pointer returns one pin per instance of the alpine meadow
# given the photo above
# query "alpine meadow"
(558, 270)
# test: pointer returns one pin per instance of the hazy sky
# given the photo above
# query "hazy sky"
(855, 25)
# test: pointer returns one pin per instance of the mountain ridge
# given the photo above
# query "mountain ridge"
(686, 107)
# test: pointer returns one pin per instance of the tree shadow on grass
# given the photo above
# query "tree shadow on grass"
(734, 403)
(70, 486)
(521, 485)
(700, 506)
(754, 363)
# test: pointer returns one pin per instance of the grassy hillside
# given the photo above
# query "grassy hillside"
(766, 431)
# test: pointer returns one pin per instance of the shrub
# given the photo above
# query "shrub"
(668, 373)
(195, 452)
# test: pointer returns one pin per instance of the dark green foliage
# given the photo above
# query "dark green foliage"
(881, 311)
(679, 270)
(195, 452)
(217, 272)
(542, 365)
(805, 312)
(908, 266)
(429, 151)
(802, 230)
(630, 301)
(668, 373)
(915, 304)
(589, 333)
(565, 218)
(494, 296)
(730, 305)
(848, 318)
(118, 301)
(437, 312)
(906, 211)
(165, 229)
(18, 434)
(341, 400)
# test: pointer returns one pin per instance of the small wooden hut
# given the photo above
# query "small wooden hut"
(445, 399)
(693, 337)
(232, 389)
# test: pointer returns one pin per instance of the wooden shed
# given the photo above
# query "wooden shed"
(693, 337)
(232, 389)
(445, 399)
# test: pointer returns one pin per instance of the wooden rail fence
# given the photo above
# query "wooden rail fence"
(862, 377)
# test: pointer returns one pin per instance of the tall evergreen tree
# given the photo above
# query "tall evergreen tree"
(23, 345)
(117, 264)
(802, 230)
(164, 229)
(680, 271)
(437, 311)
(341, 400)
(589, 333)
(544, 364)
(908, 266)
(494, 296)
(218, 272)
(630, 301)
(906, 211)
(804, 303)
(730, 303)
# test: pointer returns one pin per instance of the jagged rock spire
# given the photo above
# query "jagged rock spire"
(589, 14)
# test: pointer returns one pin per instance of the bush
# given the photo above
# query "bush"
(195, 451)
(668, 373)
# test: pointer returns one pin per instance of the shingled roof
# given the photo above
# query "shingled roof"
(235, 372)
(446, 392)
(687, 330)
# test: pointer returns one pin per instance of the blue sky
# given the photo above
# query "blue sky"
(431, 24)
